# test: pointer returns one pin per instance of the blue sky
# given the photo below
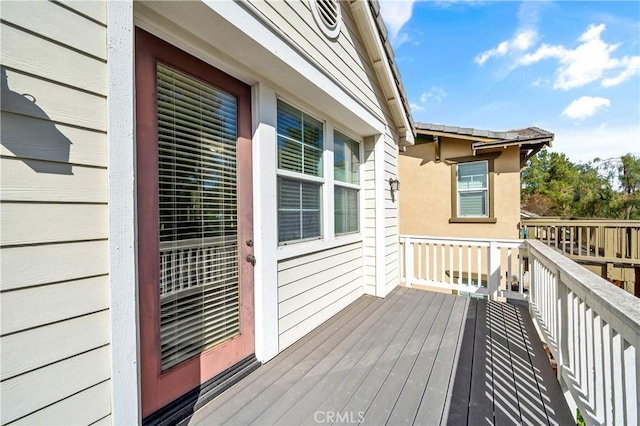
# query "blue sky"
(569, 67)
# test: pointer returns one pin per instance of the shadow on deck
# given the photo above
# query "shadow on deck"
(415, 357)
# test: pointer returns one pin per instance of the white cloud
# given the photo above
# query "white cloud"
(582, 143)
(588, 62)
(633, 68)
(434, 94)
(415, 107)
(584, 107)
(525, 37)
(522, 41)
(396, 13)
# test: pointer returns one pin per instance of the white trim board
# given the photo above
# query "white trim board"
(125, 375)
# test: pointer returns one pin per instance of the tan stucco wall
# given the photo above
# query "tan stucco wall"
(425, 192)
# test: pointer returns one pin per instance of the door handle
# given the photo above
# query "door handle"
(251, 259)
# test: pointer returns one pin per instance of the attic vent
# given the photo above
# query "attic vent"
(327, 16)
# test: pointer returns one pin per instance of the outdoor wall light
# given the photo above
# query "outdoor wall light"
(394, 184)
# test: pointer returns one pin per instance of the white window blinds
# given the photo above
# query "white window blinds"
(473, 189)
(199, 288)
(300, 149)
(346, 170)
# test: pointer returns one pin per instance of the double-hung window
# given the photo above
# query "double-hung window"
(300, 174)
(473, 189)
(346, 166)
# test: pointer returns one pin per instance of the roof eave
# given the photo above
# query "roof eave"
(391, 85)
(513, 142)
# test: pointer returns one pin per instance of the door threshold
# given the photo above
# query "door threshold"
(182, 408)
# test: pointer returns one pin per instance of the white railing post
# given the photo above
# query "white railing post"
(493, 274)
(409, 254)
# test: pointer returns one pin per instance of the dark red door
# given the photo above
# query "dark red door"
(194, 210)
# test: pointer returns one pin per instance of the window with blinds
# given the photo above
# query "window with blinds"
(346, 172)
(199, 283)
(300, 150)
(473, 190)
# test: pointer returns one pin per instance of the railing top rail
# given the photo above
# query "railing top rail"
(463, 239)
(581, 222)
(618, 302)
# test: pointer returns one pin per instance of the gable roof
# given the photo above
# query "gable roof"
(369, 21)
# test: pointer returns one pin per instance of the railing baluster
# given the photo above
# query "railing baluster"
(631, 384)
(608, 373)
(442, 259)
(427, 261)
(460, 264)
(599, 371)
(479, 272)
(618, 380)
(581, 373)
(419, 247)
(469, 265)
(589, 349)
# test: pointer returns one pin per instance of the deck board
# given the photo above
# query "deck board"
(387, 399)
(354, 378)
(415, 357)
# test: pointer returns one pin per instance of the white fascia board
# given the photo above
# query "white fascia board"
(123, 278)
(369, 31)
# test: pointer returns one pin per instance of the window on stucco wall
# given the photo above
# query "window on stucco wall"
(473, 189)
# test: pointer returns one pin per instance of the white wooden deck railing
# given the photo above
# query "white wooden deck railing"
(190, 264)
(593, 330)
(591, 326)
(466, 265)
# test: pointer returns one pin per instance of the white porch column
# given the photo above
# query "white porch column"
(265, 219)
(381, 186)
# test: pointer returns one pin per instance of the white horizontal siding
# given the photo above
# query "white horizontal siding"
(39, 140)
(52, 22)
(55, 327)
(36, 180)
(36, 98)
(32, 307)
(28, 393)
(313, 288)
(93, 10)
(42, 264)
(30, 223)
(52, 343)
(84, 407)
(47, 59)
(345, 58)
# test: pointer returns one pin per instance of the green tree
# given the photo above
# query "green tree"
(624, 175)
(554, 186)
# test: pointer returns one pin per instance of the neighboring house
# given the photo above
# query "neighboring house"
(185, 185)
(463, 182)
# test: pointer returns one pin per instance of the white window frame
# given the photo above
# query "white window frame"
(302, 177)
(459, 190)
(348, 185)
(329, 238)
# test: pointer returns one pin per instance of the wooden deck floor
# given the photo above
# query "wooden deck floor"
(415, 357)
